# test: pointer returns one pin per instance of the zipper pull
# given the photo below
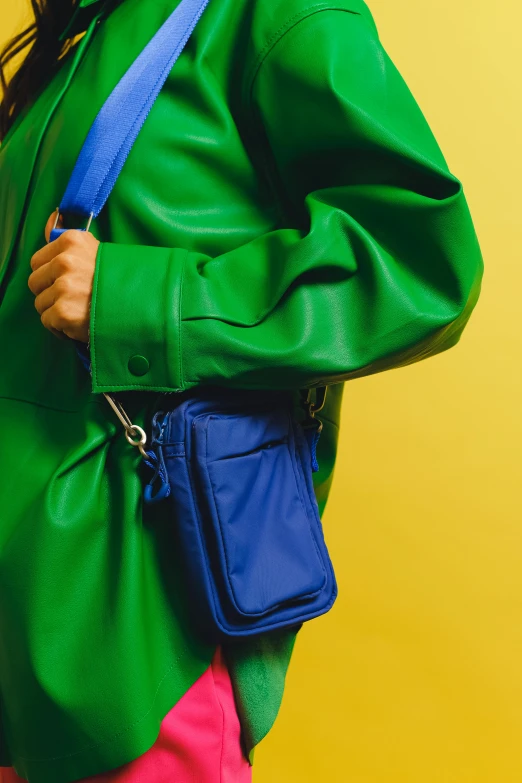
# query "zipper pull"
(312, 426)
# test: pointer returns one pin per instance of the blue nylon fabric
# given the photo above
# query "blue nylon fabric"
(312, 436)
(84, 354)
(57, 232)
(119, 121)
(239, 470)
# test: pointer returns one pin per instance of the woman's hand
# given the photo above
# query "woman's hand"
(62, 277)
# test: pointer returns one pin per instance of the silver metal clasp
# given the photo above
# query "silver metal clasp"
(135, 435)
(320, 399)
(314, 407)
(58, 214)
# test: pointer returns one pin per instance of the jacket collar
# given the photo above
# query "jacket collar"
(82, 17)
(18, 154)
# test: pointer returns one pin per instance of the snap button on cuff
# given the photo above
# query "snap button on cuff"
(138, 365)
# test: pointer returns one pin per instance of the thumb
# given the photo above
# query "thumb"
(50, 225)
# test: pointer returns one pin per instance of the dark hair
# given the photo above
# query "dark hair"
(46, 48)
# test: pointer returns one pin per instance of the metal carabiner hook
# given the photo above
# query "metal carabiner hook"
(131, 430)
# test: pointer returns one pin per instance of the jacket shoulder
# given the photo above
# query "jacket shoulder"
(270, 22)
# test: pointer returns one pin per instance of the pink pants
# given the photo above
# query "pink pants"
(199, 740)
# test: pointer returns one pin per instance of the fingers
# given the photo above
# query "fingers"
(49, 319)
(43, 278)
(67, 242)
(48, 273)
(46, 298)
(62, 280)
(61, 313)
(66, 319)
(48, 252)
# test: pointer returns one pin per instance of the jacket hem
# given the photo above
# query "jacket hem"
(127, 745)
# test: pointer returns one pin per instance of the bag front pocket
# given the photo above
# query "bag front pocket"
(253, 500)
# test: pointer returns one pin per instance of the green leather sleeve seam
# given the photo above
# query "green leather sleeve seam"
(280, 33)
(92, 325)
(137, 386)
(180, 302)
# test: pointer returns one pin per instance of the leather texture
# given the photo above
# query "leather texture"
(121, 118)
(285, 219)
(239, 469)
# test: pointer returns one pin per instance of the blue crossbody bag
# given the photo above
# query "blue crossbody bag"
(236, 466)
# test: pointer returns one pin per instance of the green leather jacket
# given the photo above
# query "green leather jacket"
(286, 219)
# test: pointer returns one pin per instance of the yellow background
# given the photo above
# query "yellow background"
(415, 676)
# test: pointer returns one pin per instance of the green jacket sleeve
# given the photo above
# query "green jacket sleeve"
(377, 266)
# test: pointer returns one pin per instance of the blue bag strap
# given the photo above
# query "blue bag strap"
(121, 118)
(110, 141)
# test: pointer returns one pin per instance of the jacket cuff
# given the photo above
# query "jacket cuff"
(135, 318)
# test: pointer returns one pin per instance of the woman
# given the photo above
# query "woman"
(285, 219)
